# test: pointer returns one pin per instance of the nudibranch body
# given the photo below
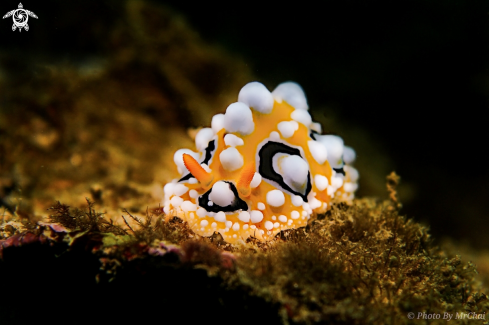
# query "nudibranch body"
(261, 168)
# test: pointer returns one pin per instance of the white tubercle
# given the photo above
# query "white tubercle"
(203, 137)
(282, 218)
(220, 217)
(274, 135)
(261, 206)
(292, 93)
(297, 200)
(293, 169)
(275, 198)
(238, 118)
(256, 96)
(178, 159)
(233, 141)
(302, 116)
(256, 216)
(321, 182)
(349, 155)
(353, 173)
(255, 181)
(168, 189)
(316, 127)
(269, 225)
(295, 214)
(314, 203)
(350, 187)
(206, 168)
(217, 123)
(288, 128)
(193, 194)
(334, 146)
(201, 212)
(176, 201)
(244, 216)
(221, 194)
(204, 223)
(188, 206)
(231, 159)
(179, 189)
(331, 189)
(318, 151)
(337, 182)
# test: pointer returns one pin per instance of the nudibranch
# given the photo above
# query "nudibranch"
(261, 168)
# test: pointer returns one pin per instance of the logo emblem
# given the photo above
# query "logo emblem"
(20, 17)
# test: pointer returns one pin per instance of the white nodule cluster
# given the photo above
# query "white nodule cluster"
(292, 93)
(222, 194)
(334, 147)
(239, 118)
(256, 96)
(288, 128)
(178, 159)
(231, 140)
(203, 137)
(231, 159)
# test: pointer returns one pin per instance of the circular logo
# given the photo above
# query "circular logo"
(410, 315)
(20, 18)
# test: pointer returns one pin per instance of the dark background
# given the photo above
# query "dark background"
(414, 74)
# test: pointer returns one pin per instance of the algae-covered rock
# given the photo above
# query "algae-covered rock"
(358, 264)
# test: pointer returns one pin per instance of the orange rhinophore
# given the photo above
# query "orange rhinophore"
(245, 179)
(197, 171)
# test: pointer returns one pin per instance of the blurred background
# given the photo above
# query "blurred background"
(405, 83)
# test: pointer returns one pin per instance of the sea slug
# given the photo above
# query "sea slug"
(261, 168)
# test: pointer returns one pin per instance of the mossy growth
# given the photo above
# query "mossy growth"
(361, 264)
(357, 264)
